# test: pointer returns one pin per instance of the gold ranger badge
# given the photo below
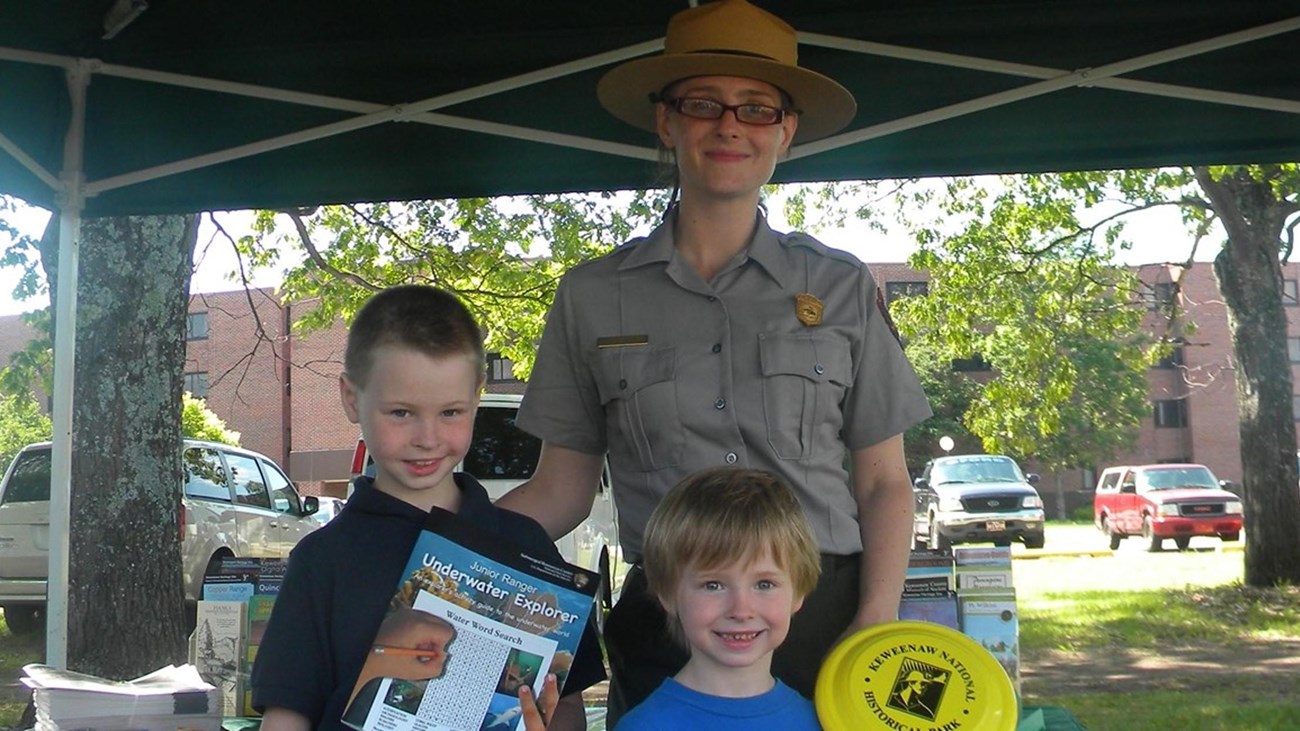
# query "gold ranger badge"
(808, 309)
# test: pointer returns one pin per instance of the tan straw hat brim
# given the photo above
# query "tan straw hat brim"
(630, 91)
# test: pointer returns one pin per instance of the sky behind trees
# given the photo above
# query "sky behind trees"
(1158, 236)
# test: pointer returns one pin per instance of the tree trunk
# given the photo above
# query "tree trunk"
(1250, 279)
(126, 612)
(1062, 512)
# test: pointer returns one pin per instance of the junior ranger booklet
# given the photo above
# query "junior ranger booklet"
(512, 619)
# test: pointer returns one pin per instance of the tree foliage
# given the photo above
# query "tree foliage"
(504, 257)
(1020, 287)
(199, 422)
(21, 423)
(1019, 279)
(951, 394)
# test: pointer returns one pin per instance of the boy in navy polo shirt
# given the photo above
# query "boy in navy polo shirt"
(413, 371)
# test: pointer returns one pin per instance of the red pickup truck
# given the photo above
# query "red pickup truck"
(1160, 501)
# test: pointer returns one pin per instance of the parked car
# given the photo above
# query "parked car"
(501, 455)
(235, 502)
(1159, 501)
(976, 498)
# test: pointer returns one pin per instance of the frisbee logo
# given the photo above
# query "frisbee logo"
(914, 676)
(918, 688)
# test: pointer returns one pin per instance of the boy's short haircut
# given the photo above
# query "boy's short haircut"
(723, 515)
(424, 318)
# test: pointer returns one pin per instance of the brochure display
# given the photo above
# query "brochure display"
(928, 594)
(238, 594)
(914, 675)
(218, 650)
(986, 597)
(472, 621)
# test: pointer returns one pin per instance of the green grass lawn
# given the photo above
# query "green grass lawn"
(15, 652)
(1135, 600)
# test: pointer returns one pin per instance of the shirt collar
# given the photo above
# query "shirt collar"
(475, 506)
(764, 248)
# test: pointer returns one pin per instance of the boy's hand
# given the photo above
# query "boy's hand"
(411, 645)
(536, 715)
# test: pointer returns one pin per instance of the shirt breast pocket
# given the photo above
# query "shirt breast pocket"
(804, 380)
(639, 394)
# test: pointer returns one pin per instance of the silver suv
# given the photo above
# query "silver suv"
(236, 503)
(975, 498)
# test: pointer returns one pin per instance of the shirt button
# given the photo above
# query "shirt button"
(720, 404)
(731, 458)
(622, 383)
(818, 369)
(717, 347)
(712, 298)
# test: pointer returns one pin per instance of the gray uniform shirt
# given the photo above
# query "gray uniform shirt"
(669, 374)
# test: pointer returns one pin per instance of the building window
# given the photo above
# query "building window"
(1171, 414)
(1293, 349)
(897, 290)
(1163, 295)
(1173, 360)
(1288, 293)
(197, 384)
(500, 369)
(974, 363)
(196, 326)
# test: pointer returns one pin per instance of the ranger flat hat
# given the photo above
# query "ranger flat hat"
(728, 38)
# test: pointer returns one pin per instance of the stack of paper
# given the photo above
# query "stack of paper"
(164, 700)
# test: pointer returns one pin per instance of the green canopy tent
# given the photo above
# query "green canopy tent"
(112, 107)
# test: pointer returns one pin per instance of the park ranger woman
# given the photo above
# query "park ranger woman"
(716, 340)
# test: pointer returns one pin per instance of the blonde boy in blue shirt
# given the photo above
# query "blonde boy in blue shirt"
(731, 557)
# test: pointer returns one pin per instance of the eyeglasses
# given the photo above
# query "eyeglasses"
(756, 114)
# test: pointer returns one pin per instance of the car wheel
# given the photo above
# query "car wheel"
(24, 619)
(1115, 538)
(1230, 537)
(938, 541)
(1154, 542)
(1183, 542)
(1035, 540)
(1002, 542)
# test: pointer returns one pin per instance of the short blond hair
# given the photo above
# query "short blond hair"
(719, 516)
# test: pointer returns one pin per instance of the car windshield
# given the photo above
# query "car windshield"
(986, 469)
(1174, 478)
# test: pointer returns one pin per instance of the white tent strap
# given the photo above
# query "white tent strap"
(1083, 77)
(1042, 72)
(26, 161)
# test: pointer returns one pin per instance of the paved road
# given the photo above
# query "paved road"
(1076, 539)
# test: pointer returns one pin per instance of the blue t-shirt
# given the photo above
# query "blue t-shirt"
(673, 707)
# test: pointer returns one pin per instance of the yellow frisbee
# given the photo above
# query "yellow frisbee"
(914, 676)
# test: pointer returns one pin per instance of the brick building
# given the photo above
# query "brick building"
(280, 390)
(1193, 392)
